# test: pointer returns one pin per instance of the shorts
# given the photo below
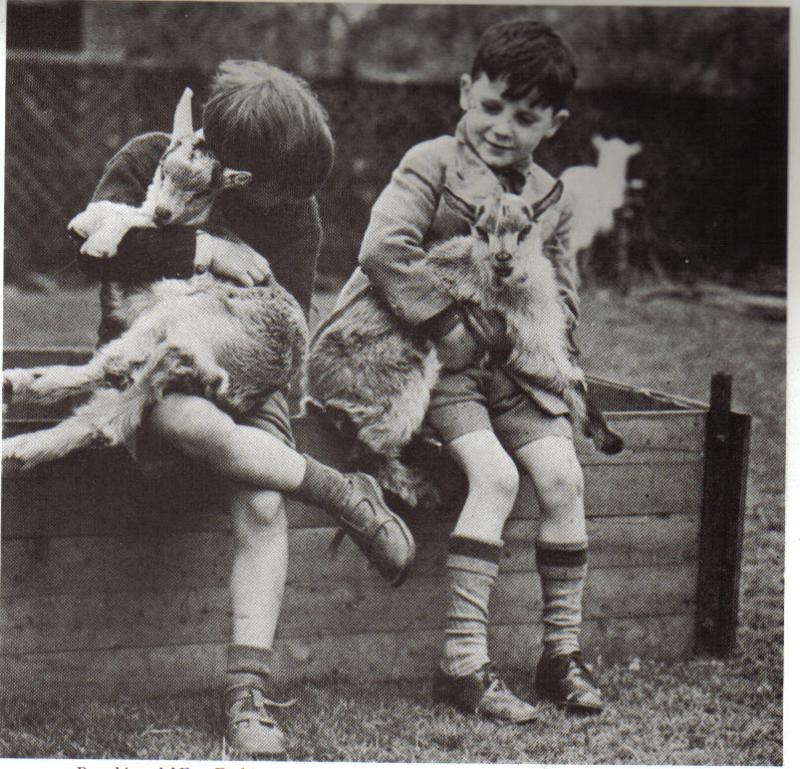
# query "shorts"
(482, 399)
(156, 458)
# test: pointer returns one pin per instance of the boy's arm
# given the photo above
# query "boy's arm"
(557, 249)
(290, 236)
(391, 254)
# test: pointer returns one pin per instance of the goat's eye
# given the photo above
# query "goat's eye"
(524, 232)
(482, 234)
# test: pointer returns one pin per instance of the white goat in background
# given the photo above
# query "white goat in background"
(598, 191)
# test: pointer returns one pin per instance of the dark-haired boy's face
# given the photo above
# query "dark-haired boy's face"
(504, 132)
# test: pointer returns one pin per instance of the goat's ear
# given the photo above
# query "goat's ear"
(598, 141)
(550, 199)
(635, 148)
(182, 120)
(231, 178)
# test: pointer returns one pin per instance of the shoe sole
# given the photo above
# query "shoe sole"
(409, 537)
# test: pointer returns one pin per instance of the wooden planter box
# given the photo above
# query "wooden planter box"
(111, 582)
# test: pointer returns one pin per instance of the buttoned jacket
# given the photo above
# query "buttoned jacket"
(424, 204)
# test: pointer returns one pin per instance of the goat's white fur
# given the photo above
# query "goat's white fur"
(231, 344)
(598, 191)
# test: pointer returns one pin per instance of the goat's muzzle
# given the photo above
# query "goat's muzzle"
(502, 264)
(162, 215)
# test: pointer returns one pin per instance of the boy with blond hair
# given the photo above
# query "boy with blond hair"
(266, 121)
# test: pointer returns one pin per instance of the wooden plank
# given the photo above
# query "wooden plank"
(723, 510)
(105, 620)
(364, 657)
(85, 565)
(74, 497)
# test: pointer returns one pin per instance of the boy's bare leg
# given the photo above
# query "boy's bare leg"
(465, 677)
(561, 557)
(253, 457)
(258, 580)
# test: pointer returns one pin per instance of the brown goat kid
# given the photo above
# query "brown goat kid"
(372, 375)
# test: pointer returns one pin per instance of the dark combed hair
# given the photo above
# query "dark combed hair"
(261, 119)
(533, 59)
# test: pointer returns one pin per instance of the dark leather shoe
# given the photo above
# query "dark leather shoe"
(250, 728)
(483, 693)
(380, 534)
(566, 680)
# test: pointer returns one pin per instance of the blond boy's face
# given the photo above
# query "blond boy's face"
(504, 132)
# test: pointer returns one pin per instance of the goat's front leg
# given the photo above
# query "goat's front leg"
(109, 418)
(103, 224)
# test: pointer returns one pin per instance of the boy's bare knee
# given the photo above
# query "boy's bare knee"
(560, 486)
(190, 423)
(257, 507)
(497, 477)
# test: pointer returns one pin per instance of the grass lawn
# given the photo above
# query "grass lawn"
(696, 712)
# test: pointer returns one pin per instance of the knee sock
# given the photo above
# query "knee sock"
(472, 565)
(322, 485)
(247, 667)
(562, 570)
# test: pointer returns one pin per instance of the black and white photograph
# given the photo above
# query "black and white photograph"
(394, 383)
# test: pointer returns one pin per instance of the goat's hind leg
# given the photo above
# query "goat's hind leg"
(109, 418)
(591, 419)
(51, 384)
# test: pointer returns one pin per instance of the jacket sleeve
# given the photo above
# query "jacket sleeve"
(143, 254)
(392, 253)
(557, 248)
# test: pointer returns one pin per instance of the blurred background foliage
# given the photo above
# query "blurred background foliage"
(704, 89)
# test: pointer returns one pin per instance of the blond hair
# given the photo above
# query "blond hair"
(267, 121)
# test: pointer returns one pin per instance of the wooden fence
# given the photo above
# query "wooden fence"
(112, 583)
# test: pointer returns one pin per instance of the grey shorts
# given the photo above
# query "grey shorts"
(479, 399)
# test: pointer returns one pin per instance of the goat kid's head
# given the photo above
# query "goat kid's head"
(508, 232)
(615, 150)
(189, 176)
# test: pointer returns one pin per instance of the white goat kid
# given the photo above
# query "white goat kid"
(233, 345)
(368, 372)
(598, 191)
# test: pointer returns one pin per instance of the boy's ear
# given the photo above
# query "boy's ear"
(231, 178)
(465, 84)
(559, 119)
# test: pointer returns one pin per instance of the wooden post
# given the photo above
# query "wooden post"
(724, 487)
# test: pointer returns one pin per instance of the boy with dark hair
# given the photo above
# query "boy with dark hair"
(491, 421)
(267, 121)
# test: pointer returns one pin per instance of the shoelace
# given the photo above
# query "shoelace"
(259, 703)
(494, 682)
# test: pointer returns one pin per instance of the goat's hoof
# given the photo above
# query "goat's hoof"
(217, 385)
(19, 455)
(119, 380)
(8, 392)
(13, 466)
(611, 443)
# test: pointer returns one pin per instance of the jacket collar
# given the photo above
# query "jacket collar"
(470, 179)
